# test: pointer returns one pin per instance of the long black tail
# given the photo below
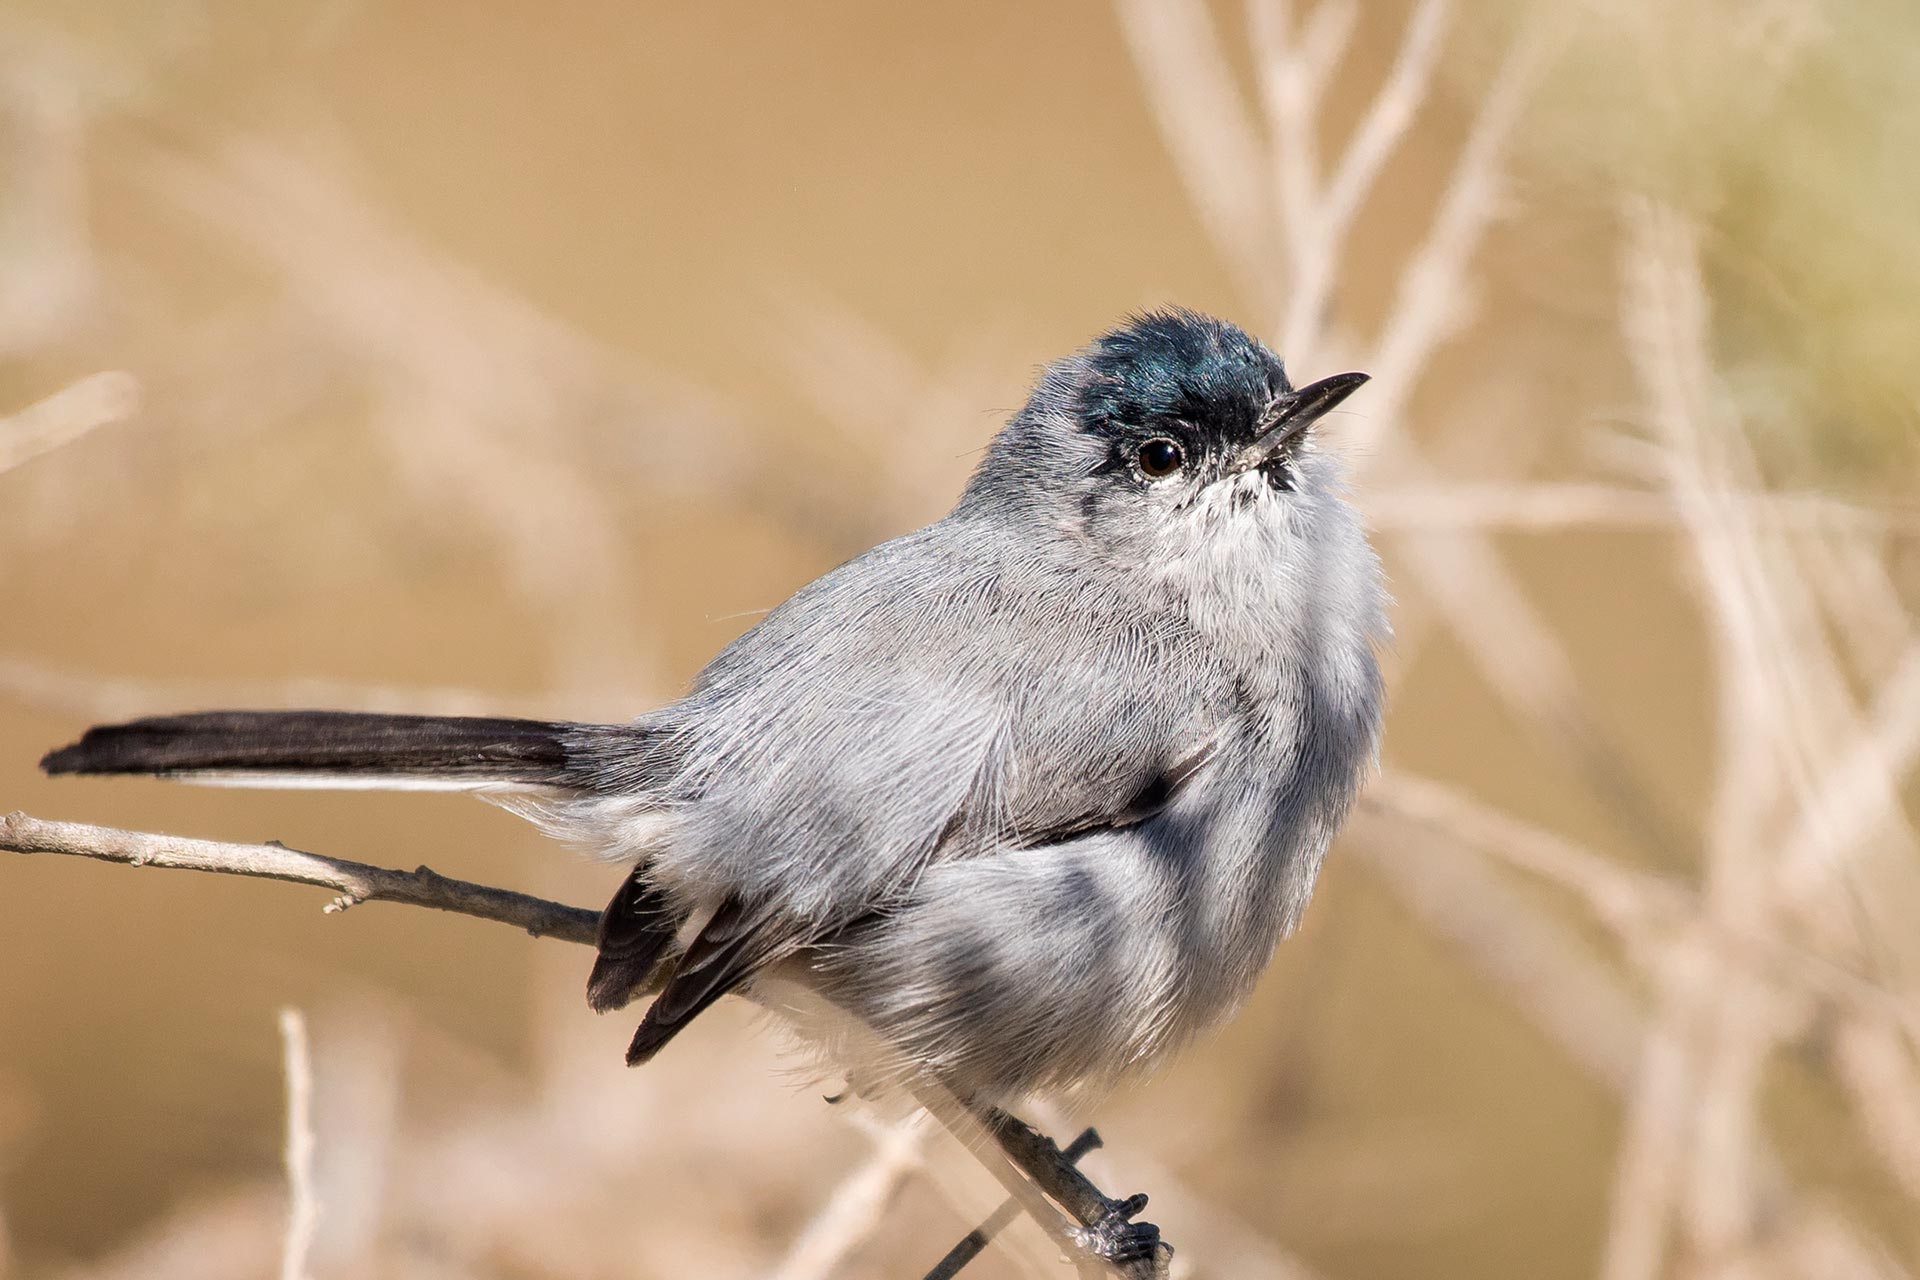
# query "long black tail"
(334, 748)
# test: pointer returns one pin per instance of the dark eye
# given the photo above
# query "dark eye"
(1161, 457)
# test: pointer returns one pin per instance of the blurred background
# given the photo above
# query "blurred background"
(492, 356)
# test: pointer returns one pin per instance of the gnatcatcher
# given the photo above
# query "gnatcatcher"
(1015, 803)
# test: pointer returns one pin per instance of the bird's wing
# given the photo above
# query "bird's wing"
(921, 703)
(913, 705)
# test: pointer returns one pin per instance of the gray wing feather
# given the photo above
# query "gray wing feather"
(897, 712)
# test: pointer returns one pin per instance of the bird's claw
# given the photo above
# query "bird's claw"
(1118, 1239)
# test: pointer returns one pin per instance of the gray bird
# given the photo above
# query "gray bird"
(1016, 803)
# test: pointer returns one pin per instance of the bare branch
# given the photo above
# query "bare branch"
(1883, 1084)
(1621, 897)
(1328, 220)
(354, 882)
(1210, 134)
(96, 400)
(1861, 789)
(1428, 308)
(854, 1214)
(1392, 111)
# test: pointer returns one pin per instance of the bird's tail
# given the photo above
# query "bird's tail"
(340, 749)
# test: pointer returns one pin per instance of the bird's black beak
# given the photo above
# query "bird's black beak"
(1293, 414)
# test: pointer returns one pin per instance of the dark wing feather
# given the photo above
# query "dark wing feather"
(635, 931)
(727, 953)
(734, 944)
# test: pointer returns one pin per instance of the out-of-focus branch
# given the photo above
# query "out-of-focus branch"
(1211, 136)
(1861, 789)
(1623, 899)
(1643, 909)
(1883, 1083)
(97, 400)
(859, 1205)
(303, 1206)
(1319, 217)
(1429, 307)
(354, 882)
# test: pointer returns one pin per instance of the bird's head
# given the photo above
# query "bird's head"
(1174, 434)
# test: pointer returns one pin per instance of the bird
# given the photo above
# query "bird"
(1017, 803)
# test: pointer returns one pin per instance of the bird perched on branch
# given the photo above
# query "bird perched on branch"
(1015, 803)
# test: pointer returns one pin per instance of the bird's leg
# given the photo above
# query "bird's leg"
(1107, 1229)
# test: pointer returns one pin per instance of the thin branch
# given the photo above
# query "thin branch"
(853, 1216)
(1036, 1174)
(976, 1241)
(1860, 791)
(1389, 116)
(95, 401)
(1210, 135)
(1883, 1084)
(303, 1209)
(1622, 898)
(1326, 221)
(1659, 1120)
(1638, 907)
(1046, 1164)
(354, 882)
(1428, 308)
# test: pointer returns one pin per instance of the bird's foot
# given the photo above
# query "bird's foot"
(1118, 1239)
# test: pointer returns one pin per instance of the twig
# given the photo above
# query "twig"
(1861, 789)
(1882, 1083)
(1428, 307)
(1210, 135)
(1324, 223)
(1659, 1122)
(303, 1209)
(976, 1241)
(854, 1214)
(96, 400)
(1622, 898)
(355, 882)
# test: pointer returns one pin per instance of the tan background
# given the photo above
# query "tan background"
(515, 356)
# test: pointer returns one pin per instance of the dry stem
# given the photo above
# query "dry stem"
(354, 882)
(303, 1209)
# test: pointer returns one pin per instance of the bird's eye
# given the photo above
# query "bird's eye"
(1161, 457)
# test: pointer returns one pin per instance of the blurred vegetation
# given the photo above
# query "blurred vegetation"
(1789, 130)
(511, 358)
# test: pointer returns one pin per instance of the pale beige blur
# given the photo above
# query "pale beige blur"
(514, 357)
